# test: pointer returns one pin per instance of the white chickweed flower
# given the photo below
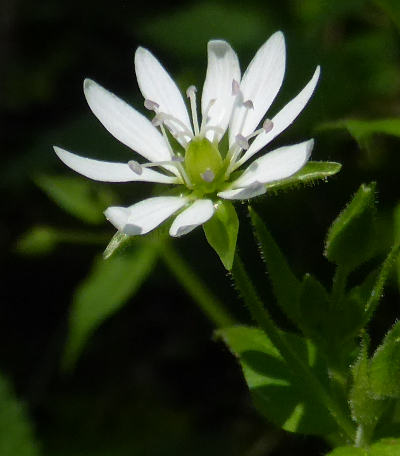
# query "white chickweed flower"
(195, 162)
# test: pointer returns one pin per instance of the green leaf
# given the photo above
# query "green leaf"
(385, 366)
(377, 290)
(81, 198)
(221, 232)
(385, 447)
(349, 451)
(392, 9)
(310, 174)
(279, 395)
(350, 239)
(397, 237)
(285, 284)
(362, 130)
(16, 434)
(107, 288)
(314, 310)
(366, 409)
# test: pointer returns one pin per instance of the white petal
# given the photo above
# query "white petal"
(254, 189)
(158, 86)
(109, 171)
(276, 165)
(125, 123)
(283, 119)
(144, 216)
(260, 84)
(196, 214)
(223, 68)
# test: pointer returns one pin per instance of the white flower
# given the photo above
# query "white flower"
(204, 173)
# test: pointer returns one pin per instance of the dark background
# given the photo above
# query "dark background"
(152, 381)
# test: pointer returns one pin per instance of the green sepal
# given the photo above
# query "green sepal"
(349, 451)
(81, 198)
(350, 239)
(385, 366)
(365, 408)
(222, 230)
(285, 284)
(310, 174)
(281, 396)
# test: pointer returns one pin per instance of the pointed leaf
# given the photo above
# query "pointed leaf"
(277, 393)
(107, 288)
(366, 409)
(377, 290)
(385, 366)
(285, 284)
(310, 174)
(79, 197)
(221, 232)
(350, 238)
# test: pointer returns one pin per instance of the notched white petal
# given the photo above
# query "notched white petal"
(284, 118)
(110, 171)
(260, 85)
(144, 216)
(196, 214)
(276, 165)
(125, 123)
(157, 85)
(223, 71)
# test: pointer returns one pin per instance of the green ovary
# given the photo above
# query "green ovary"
(204, 165)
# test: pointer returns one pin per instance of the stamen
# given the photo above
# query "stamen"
(135, 167)
(248, 104)
(242, 142)
(162, 117)
(203, 126)
(208, 175)
(235, 87)
(268, 125)
(178, 159)
(191, 94)
(151, 105)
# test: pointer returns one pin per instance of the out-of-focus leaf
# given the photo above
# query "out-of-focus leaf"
(349, 451)
(242, 27)
(41, 240)
(80, 197)
(278, 394)
(385, 366)
(392, 9)
(16, 434)
(285, 284)
(310, 174)
(221, 232)
(107, 288)
(350, 238)
(397, 237)
(361, 130)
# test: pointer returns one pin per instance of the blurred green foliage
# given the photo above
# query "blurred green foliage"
(117, 402)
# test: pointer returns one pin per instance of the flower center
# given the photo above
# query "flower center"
(204, 165)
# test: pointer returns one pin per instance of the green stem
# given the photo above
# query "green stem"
(208, 303)
(262, 317)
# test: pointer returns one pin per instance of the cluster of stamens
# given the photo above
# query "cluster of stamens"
(185, 136)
